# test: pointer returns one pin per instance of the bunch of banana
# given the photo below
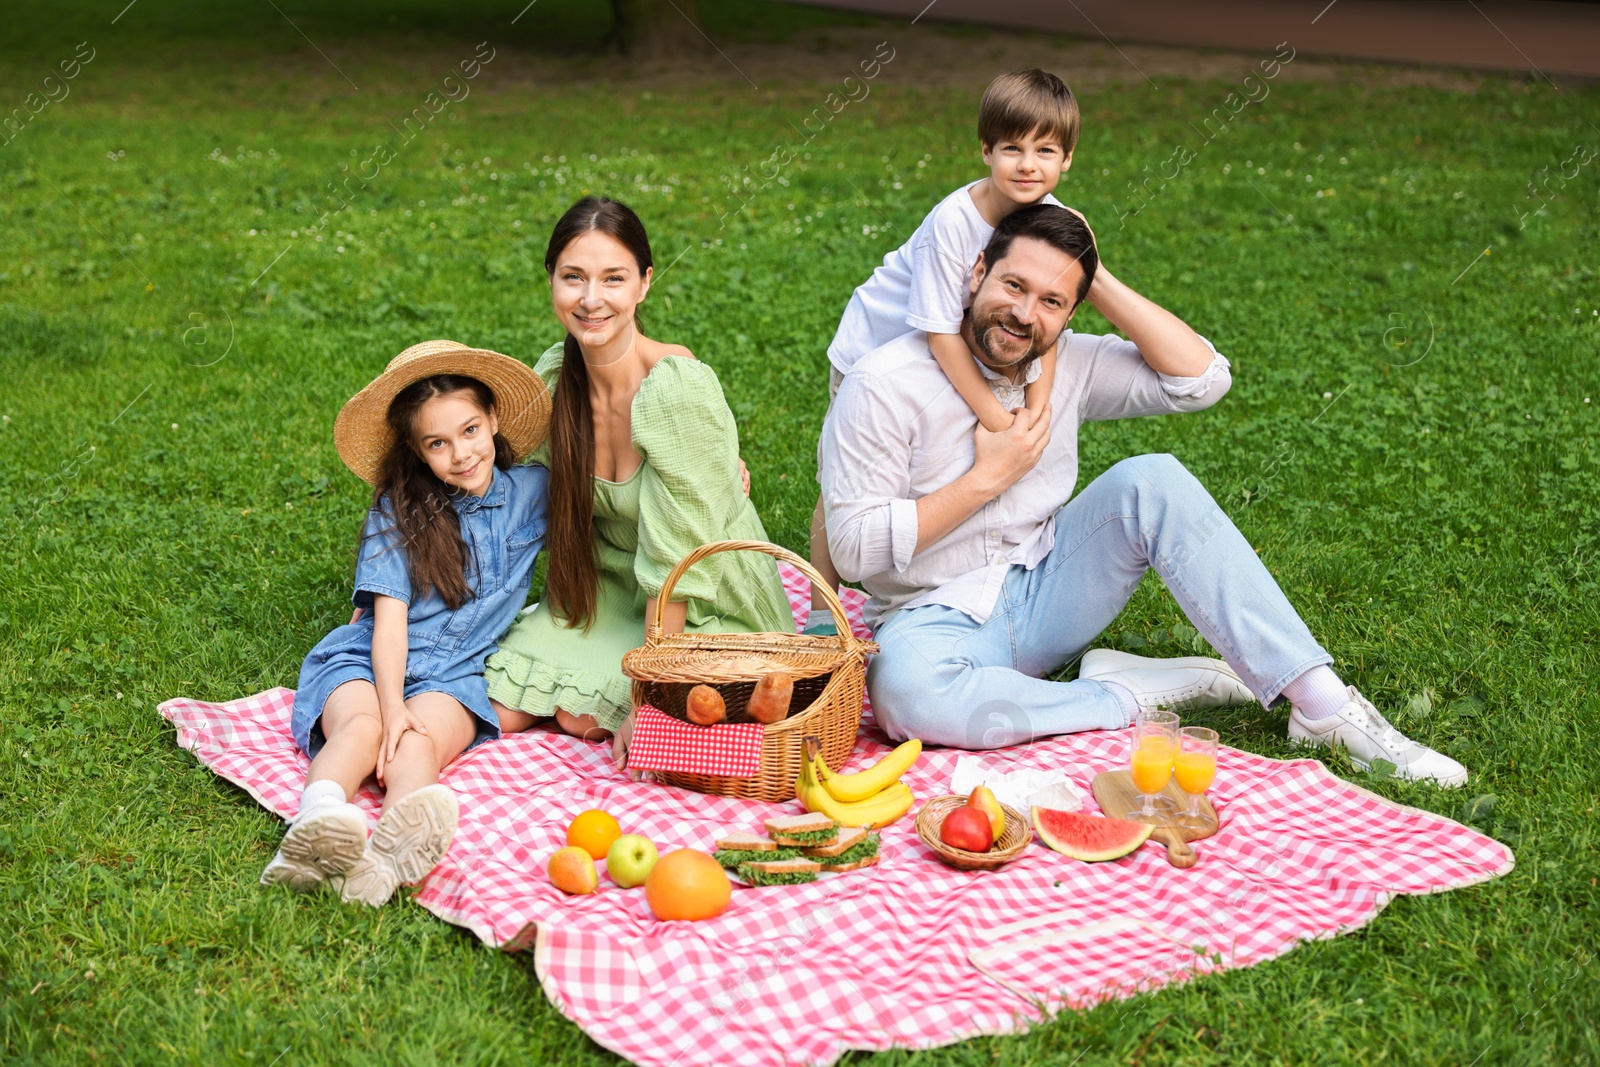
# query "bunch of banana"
(872, 797)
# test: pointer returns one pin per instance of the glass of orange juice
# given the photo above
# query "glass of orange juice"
(1150, 758)
(1195, 768)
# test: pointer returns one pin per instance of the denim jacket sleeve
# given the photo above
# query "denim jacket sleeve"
(381, 566)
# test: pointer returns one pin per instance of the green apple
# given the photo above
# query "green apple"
(629, 859)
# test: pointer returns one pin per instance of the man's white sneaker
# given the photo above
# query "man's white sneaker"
(327, 840)
(1367, 736)
(408, 842)
(1173, 684)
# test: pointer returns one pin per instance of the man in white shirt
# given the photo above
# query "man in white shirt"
(982, 581)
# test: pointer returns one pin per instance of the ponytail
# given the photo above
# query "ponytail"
(573, 583)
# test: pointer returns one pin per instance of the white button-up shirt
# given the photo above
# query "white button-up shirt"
(899, 431)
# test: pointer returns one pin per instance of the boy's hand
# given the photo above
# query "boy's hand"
(1088, 298)
(1005, 421)
(395, 725)
(1086, 226)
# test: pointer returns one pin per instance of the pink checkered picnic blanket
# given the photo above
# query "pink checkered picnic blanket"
(662, 743)
(909, 953)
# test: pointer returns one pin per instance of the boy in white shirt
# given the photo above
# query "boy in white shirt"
(1028, 128)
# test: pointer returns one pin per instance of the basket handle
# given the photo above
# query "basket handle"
(653, 624)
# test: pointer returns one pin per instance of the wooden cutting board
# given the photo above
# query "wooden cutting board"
(1114, 792)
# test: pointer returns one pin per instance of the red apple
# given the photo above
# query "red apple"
(967, 828)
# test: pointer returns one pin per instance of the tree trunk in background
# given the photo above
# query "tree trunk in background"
(652, 29)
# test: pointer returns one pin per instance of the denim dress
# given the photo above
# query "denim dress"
(504, 530)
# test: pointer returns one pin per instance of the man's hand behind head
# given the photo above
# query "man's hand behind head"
(1001, 459)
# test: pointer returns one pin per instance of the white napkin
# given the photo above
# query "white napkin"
(1017, 789)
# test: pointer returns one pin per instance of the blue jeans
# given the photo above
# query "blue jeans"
(947, 679)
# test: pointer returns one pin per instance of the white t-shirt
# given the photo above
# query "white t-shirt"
(922, 285)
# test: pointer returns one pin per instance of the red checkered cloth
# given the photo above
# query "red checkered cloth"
(907, 954)
(662, 743)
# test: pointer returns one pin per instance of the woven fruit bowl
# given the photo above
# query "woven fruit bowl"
(1016, 836)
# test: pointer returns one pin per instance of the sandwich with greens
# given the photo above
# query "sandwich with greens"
(811, 830)
(797, 871)
(735, 849)
(862, 852)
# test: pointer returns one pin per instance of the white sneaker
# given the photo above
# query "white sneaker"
(1173, 684)
(409, 841)
(327, 840)
(1367, 736)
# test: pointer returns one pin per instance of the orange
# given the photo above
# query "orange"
(593, 831)
(688, 885)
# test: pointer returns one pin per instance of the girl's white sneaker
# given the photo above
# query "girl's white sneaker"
(327, 840)
(409, 841)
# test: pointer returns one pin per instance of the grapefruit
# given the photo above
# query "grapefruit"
(687, 884)
(1090, 838)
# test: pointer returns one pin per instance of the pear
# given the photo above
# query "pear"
(983, 799)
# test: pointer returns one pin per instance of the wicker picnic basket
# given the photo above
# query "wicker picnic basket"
(829, 680)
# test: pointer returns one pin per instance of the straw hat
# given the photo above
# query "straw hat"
(522, 403)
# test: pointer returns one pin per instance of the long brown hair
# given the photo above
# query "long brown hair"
(573, 583)
(418, 503)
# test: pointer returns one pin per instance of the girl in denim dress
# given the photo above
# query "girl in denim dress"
(445, 561)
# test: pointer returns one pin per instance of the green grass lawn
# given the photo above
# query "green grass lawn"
(1411, 440)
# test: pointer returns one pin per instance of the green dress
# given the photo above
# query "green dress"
(685, 493)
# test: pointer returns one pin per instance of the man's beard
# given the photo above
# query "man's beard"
(990, 327)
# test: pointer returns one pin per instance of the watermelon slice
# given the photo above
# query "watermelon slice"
(1090, 838)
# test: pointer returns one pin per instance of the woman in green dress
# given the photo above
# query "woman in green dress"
(644, 467)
